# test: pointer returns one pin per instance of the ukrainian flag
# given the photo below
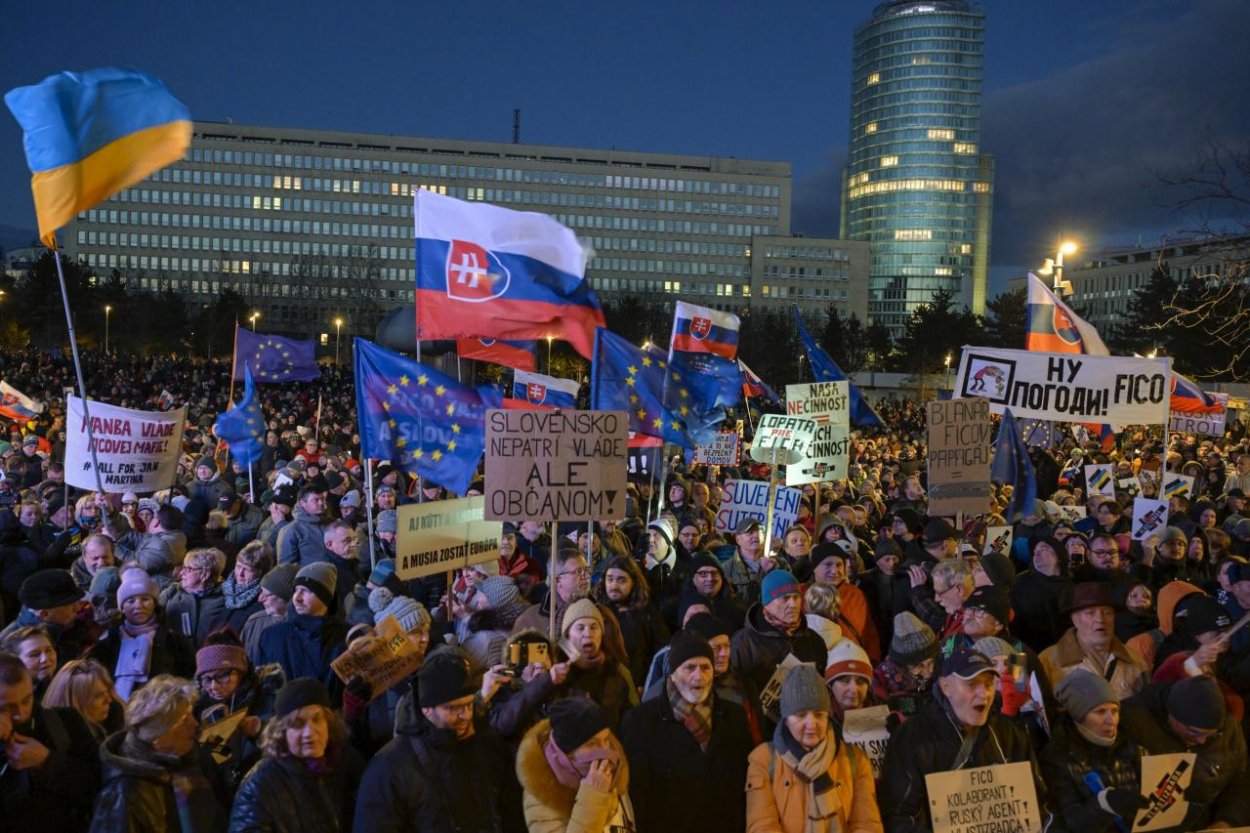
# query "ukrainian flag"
(91, 134)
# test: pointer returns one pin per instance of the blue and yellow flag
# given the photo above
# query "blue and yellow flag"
(91, 134)
(242, 427)
(425, 423)
(626, 378)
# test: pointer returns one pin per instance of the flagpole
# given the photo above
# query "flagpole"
(659, 507)
(772, 500)
(369, 509)
(82, 386)
(234, 363)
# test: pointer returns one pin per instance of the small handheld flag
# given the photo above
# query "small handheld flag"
(242, 426)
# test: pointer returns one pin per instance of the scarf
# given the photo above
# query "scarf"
(785, 627)
(134, 655)
(569, 770)
(696, 718)
(812, 768)
(1092, 737)
(239, 596)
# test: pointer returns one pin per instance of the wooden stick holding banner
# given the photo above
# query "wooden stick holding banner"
(82, 386)
(553, 578)
(772, 500)
(373, 561)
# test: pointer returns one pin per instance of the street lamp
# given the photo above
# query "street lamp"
(252, 318)
(1055, 267)
(338, 328)
(549, 338)
(107, 309)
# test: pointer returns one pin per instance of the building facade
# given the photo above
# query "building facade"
(812, 272)
(917, 186)
(313, 226)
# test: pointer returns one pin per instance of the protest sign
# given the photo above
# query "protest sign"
(1164, 779)
(749, 499)
(216, 736)
(644, 458)
(1131, 486)
(1069, 388)
(959, 455)
(1074, 513)
(998, 539)
(556, 465)
(383, 658)
(444, 535)
(1100, 480)
(137, 451)
(986, 798)
(1177, 484)
(866, 728)
(1149, 516)
(723, 450)
(828, 404)
(783, 438)
(1211, 424)
(770, 695)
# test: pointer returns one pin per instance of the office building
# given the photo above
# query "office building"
(917, 186)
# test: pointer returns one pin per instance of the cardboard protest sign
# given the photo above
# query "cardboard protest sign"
(1164, 779)
(828, 403)
(770, 695)
(444, 535)
(643, 458)
(1149, 517)
(749, 499)
(1209, 424)
(986, 798)
(556, 465)
(866, 728)
(1100, 480)
(785, 438)
(384, 658)
(1069, 388)
(216, 736)
(1074, 513)
(959, 455)
(137, 450)
(1131, 486)
(997, 539)
(1177, 484)
(723, 451)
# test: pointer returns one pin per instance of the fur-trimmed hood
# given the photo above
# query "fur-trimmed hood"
(536, 776)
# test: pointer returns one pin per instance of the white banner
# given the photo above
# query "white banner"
(137, 450)
(828, 403)
(724, 450)
(749, 499)
(1070, 388)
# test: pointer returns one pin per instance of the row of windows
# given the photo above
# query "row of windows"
(771, 291)
(807, 252)
(838, 273)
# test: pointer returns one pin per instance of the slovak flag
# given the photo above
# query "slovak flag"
(521, 355)
(1189, 398)
(1055, 328)
(703, 330)
(534, 390)
(16, 405)
(490, 272)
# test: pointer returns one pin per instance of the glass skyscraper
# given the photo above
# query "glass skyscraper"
(917, 186)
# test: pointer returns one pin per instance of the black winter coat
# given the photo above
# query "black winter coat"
(281, 795)
(304, 646)
(172, 653)
(59, 794)
(1035, 599)
(1066, 760)
(676, 786)
(757, 650)
(644, 633)
(138, 794)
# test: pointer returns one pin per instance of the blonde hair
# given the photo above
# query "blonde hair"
(154, 709)
(73, 687)
(822, 600)
(217, 519)
(206, 558)
(273, 738)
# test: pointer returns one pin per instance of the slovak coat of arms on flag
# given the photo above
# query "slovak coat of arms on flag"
(535, 393)
(700, 327)
(474, 274)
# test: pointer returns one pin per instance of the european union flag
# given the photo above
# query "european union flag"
(826, 369)
(424, 422)
(625, 378)
(699, 389)
(242, 426)
(1011, 464)
(274, 358)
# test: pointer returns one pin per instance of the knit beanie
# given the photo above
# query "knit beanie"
(913, 641)
(321, 578)
(444, 677)
(212, 658)
(686, 645)
(803, 691)
(776, 584)
(993, 600)
(136, 582)
(666, 525)
(580, 609)
(298, 693)
(206, 460)
(575, 720)
(708, 626)
(1197, 702)
(844, 658)
(993, 646)
(280, 581)
(1081, 691)
(411, 615)
(999, 569)
(502, 593)
(105, 583)
(388, 521)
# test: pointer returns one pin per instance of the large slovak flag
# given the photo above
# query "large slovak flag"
(1055, 328)
(490, 272)
(704, 330)
(1188, 397)
(534, 390)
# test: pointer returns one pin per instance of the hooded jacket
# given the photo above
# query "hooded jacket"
(757, 649)
(301, 542)
(1169, 596)
(551, 807)
(138, 793)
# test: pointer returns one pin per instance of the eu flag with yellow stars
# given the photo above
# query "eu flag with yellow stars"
(698, 390)
(274, 358)
(242, 426)
(424, 422)
(627, 378)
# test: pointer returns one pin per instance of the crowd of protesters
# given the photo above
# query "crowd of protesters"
(696, 681)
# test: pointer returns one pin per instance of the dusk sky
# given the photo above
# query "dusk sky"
(1084, 101)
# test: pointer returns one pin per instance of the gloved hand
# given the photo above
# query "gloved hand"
(1125, 803)
(360, 688)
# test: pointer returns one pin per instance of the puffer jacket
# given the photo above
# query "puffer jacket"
(282, 795)
(243, 529)
(1147, 644)
(551, 807)
(194, 615)
(1066, 760)
(930, 742)
(301, 542)
(777, 797)
(138, 793)
(1220, 786)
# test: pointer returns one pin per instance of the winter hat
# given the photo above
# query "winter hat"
(999, 568)
(686, 645)
(388, 521)
(845, 657)
(993, 646)
(149, 504)
(938, 530)
(212, 658)
(444, 677)
(803, 690)
(1197, 702)
(1081, 691)
(776, 584)
(105, 583)
(280, 581)
(47, 589)
(1204, 614)
(666, 525)
(994, 601)
(351, 499)
(411, 615)
(913, 641)
(206, 460)
(501, 592)
(136, 582)
(575, 720)
(298, 693)
(911, 519)
(383, 570)
(708, 626)
(284, 495)
(321, 578)
(886, 547)
(580, 609)
(830, 549)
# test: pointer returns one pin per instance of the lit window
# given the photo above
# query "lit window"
(965, 147)
(874, 78)
(965, 249)
(889, 161)
(943, 271)
(913, 234)
(871, 127)
(981, 187)
(946, 135)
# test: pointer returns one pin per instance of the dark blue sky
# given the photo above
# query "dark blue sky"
(1084, 100)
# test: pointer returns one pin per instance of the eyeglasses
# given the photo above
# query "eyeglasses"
(581, 572)
(219, 677)
(706, 573)
(944, 591)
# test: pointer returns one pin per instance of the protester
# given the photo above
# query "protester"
(308, 639)
(1091, 643)
(140, 646)
(194, 606)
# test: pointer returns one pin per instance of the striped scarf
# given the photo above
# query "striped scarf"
(696, 718)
